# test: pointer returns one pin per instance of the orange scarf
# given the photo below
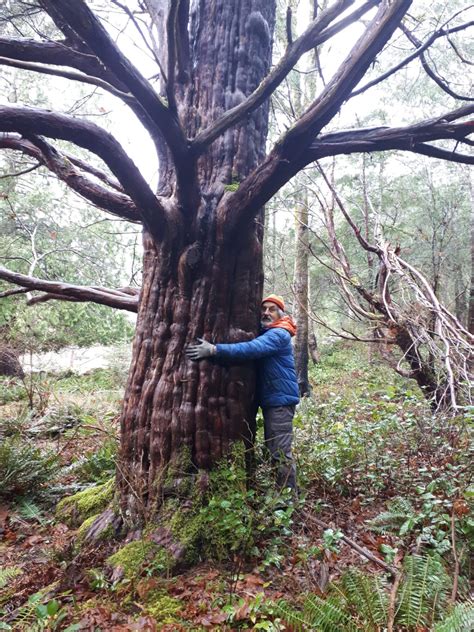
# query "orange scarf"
(286, 322)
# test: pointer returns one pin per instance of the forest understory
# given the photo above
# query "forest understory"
(375, 466)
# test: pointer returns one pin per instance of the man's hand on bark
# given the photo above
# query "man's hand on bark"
(200, 351)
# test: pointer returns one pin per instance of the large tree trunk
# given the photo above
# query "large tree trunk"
(201, 281)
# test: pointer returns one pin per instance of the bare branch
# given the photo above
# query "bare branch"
(114, 202)
(16, 142)
(443, 85)
(441, 32)
(65, 74)
(32, 121)
(66, 291)
(21, 290)
(409, 138)
(19, 173)
(87, 26)
(57, 53)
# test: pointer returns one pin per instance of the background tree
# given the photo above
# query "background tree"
(202, 231)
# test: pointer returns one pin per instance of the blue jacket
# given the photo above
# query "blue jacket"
(276, 376)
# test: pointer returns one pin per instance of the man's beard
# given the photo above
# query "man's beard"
(265, 323)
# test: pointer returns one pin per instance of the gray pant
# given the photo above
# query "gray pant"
(278, 426)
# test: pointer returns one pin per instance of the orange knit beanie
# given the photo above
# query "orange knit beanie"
(277, 300)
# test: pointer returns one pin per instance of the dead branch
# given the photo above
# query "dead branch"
(289, 154)
(69, 292)
(430, 72)
(86, 25)
(433, 342)
(67, 74)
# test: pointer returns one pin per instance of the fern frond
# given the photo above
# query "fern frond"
(323, 615)
(7, 574)
(29, 510)
(291, 616)
(399, 510)
(327, 615)
(460, 619)
(423, 590)
(366, 596)
(25, 616)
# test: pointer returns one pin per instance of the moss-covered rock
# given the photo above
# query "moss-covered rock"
(84, 528)
(136, 557)
(163, 608)
(74, 510)
(133, 557)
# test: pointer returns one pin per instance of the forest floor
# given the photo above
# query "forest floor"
(375, 466)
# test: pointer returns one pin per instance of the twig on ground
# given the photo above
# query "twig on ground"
(392, 601)
(360, 549)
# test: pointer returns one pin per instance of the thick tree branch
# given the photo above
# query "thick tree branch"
(16, 142)
(61, 54)
(111, 201)
(410, 138)
(32, 121)
(315, 34)
(287, 156)
(67, 291)
(57, 54)
(87, 26)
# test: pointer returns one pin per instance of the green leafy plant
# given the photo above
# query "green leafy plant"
(24, 468)
(98, 467)
(7, 574)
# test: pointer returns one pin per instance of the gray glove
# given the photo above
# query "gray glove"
(200, 351)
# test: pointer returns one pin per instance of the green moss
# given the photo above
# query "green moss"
(84, 528)
(187, 528)
(133, 557)
(233, 186)
(163, 608)
(74, 510)
(136, 557)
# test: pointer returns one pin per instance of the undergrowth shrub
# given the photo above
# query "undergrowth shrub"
(11, 390)
(368, 432)
(361, 601)
(99, 466)
(24, 468)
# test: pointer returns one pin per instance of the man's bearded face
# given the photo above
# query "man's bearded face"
(269, 313)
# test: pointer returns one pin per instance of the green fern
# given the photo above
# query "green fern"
(360, 602)
(30, 511)
(366, 596)
(25, 617)
(327, 615)
(423, 590)
(324, 615)
(460, 619)
(7, 574)
(398, 517)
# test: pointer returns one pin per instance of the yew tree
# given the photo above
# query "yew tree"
(206, 110)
